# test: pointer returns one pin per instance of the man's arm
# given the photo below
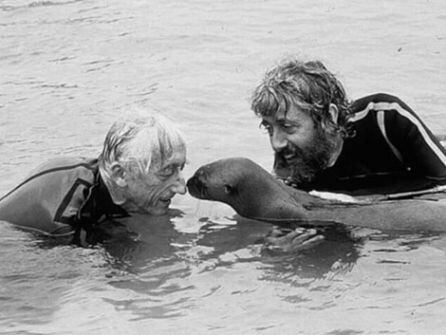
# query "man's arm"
(36, 202)
(410, 140)
(26, 207)
(407, 136)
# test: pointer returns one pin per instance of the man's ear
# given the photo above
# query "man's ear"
(334, 113)
(118, 174)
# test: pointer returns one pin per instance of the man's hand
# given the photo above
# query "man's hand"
(294, 240)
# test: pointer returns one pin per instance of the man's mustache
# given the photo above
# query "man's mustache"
(302, 164)
(290, 154)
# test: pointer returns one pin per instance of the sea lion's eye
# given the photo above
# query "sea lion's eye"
(229, 189)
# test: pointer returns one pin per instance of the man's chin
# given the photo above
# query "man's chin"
(282, 172)
(296, 174)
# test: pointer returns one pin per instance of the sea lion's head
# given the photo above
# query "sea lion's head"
(238, 182)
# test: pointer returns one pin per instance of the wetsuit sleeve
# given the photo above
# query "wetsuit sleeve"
(29, 206)
(411, 141)
(48, 200)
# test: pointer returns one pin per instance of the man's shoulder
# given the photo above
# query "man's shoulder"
(75, 165)
(362, 103)
(58, 174)
(367, 107)
(51, 186)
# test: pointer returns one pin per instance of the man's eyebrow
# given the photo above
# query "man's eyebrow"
(174, 164)
(284, 120)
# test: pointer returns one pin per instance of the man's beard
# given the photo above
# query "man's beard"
(302, 164)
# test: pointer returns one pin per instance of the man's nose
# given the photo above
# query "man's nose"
(278, 140)
(180, 185)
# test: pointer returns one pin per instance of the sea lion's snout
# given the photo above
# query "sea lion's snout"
(196, 184)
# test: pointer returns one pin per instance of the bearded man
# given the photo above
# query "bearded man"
(322, 141)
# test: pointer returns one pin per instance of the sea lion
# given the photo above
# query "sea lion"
(254, 193)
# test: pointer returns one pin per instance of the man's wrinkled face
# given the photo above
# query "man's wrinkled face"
(302, 147)
(152, 192)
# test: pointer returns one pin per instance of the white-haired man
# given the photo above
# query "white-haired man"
(139, 170)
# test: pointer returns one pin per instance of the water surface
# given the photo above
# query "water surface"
(68, 68)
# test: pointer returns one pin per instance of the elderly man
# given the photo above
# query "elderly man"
(139, 170)
(324, 142)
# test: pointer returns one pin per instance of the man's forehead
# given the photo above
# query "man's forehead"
(282, 115)
(178, 156)
(279, 116)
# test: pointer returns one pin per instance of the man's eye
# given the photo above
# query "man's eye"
(289, 127)
(266, 126)
(170, 170)
(167, 171)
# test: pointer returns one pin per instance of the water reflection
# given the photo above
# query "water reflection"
(36, 275)
(146, 239)
(337, 253)
(166, 273)
(161, 252)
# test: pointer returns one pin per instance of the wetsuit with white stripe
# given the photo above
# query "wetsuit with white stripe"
(64, 196)
(391, 150)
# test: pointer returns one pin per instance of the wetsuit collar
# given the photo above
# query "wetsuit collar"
(97, 208)
(99, 204)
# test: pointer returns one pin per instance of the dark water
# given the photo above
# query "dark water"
(68, 68)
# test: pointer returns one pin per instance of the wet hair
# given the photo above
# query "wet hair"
(140, 140)
(309, 86)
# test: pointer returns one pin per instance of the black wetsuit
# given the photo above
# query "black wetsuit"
(391, 150)
(63, 196)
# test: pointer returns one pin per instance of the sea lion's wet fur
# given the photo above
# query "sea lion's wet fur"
(234, 181)
(254, 193)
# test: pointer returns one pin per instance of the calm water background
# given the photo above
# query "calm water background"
(67, 70)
